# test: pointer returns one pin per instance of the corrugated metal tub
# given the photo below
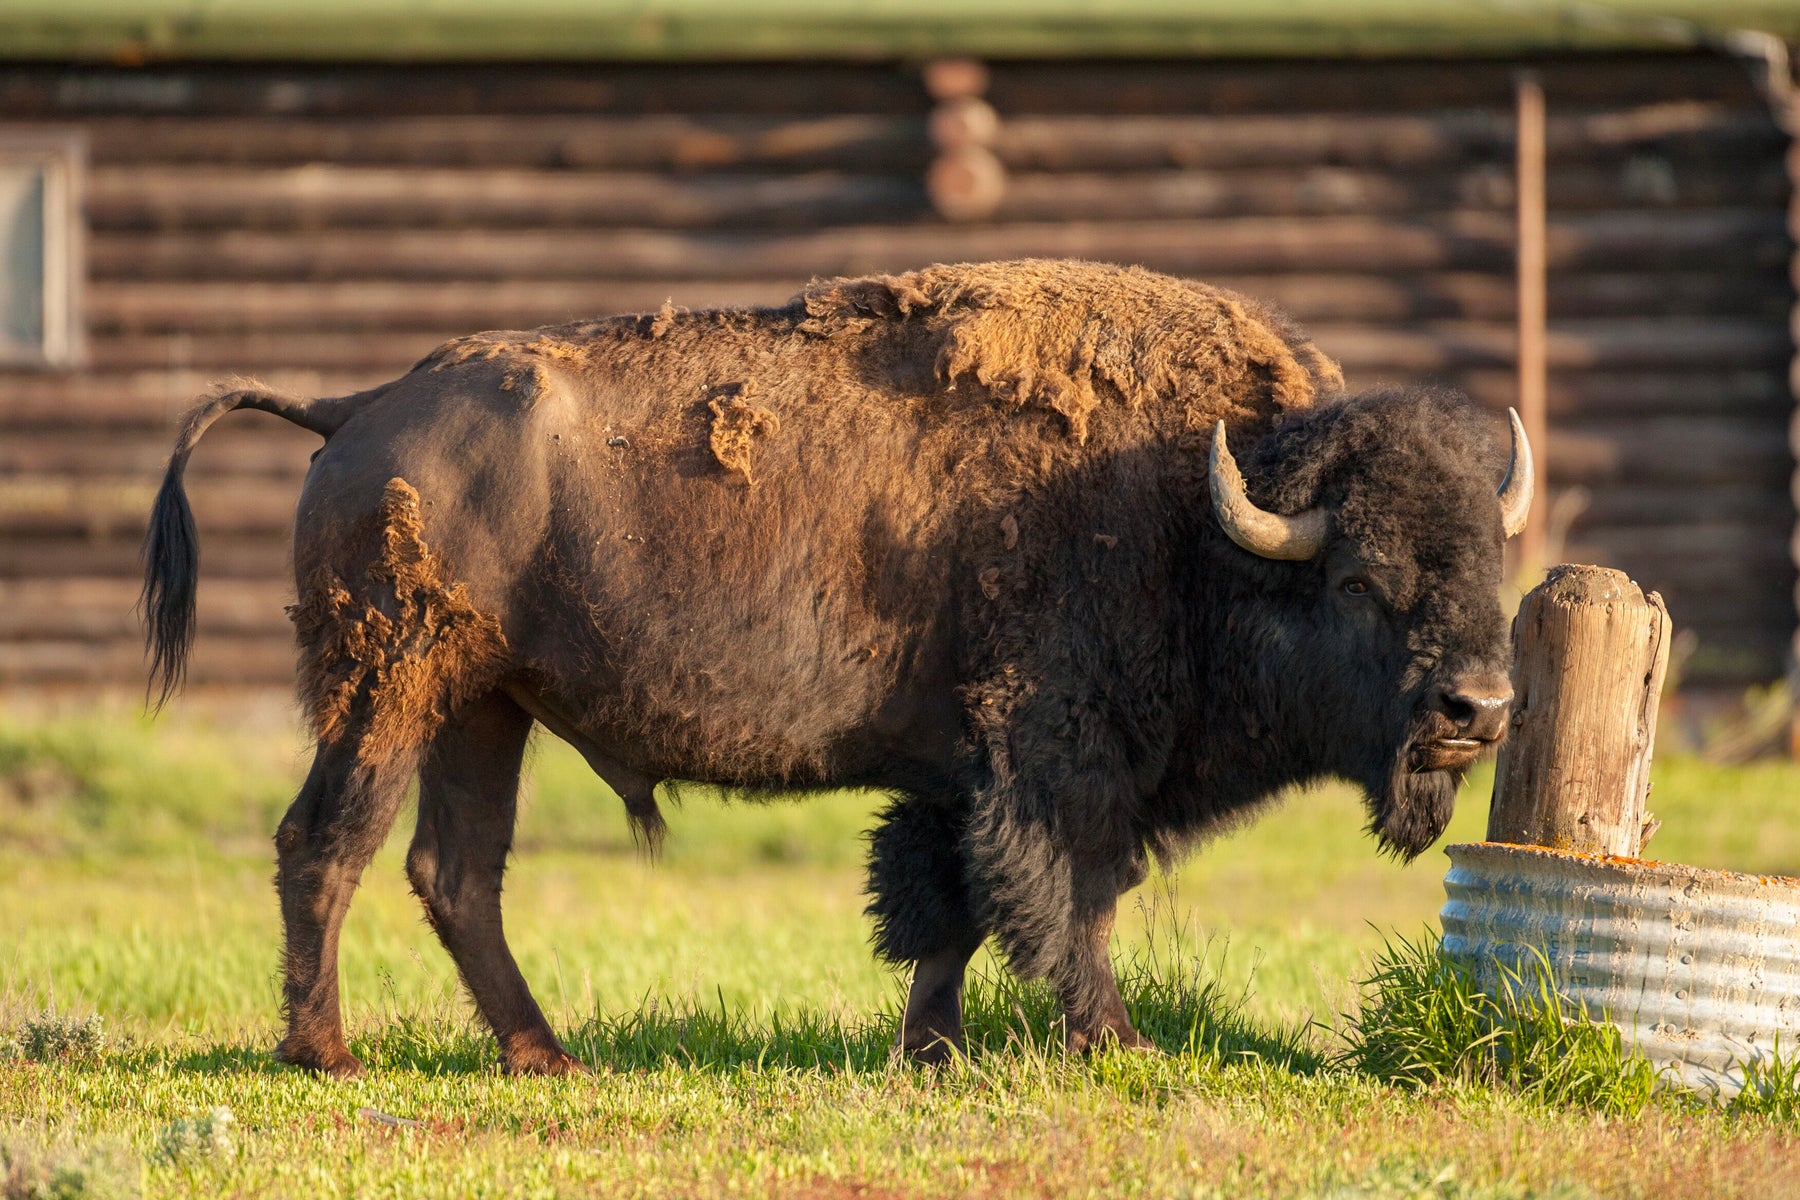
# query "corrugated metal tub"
(1699, 969)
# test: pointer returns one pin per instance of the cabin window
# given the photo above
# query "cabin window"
(40, 249)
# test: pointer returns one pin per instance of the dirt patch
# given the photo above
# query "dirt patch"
(737, 425)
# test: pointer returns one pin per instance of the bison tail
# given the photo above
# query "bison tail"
(171, 549)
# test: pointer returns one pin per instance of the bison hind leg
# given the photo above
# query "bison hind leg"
(331, 831)
(919, 903)
(468, 800)
(390, 649)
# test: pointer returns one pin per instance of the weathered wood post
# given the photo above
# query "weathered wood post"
(1590, 654)
(1693, 968)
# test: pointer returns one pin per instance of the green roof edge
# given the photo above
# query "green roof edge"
(129, 31)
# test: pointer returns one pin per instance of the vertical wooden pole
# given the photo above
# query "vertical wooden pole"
(1532, 307)
(1787, 106)
(1590, 653)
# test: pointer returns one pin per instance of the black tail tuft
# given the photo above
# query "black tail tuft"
(171, 577)
(172, 548)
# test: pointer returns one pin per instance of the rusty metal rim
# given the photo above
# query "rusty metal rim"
(1612, 866)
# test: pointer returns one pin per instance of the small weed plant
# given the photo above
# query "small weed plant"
(49, 1038)
(207, 1134)
(1771, 1087)
(39, 1173)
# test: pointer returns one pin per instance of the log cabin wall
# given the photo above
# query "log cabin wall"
(322, 228)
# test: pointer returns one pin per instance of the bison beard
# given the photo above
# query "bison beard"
(1409, 808)
(971, 536)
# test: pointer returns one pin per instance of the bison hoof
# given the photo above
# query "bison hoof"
(933, 1052)
(335, 1061)
(1087, 1041)
(547, 1061)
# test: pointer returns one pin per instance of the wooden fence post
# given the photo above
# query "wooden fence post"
(1590, 653)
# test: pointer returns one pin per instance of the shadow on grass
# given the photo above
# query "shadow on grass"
(1181, 1007)
(1171, 986)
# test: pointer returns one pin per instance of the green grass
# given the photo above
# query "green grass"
(1424, 1021)
(739, 1028)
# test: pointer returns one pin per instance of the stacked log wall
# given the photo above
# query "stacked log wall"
(323, 228)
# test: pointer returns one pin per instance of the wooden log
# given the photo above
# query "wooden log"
(874, 142)
(1670, 451)
(360, 90)
(318, 195)
(1623, 392)
(166, 197)
(1727, 241)
(1591, 653)
(1325, 188)
(880, 141)
(262, 556)
(1628, 503)
(1350, 85)
(150, 399)
(104, 609)
(1427, 140)
(1576, 345)
(276, 451)
(383, 354)
(218, 660)
(119, 506)
(1222, 86)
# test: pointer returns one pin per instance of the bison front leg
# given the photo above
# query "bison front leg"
(1093, 1011)
(1050, 854)
(920, 905)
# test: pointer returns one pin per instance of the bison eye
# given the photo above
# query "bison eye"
(1355, 587)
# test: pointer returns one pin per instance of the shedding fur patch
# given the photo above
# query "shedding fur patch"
(737, 426)
(527, 372)
(662, 320)
(399, 649)
(1065, 337)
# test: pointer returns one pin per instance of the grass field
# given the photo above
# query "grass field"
(738, 1027)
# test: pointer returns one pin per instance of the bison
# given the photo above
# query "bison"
(974, 536)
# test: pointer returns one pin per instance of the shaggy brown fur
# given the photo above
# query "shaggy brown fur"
(1047, 334)
(978, 569)
(408, 641)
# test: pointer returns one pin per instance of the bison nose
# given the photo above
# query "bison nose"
(1476, 705)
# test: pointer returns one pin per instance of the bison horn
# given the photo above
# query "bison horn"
(1516, 488)
(1291, 539)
